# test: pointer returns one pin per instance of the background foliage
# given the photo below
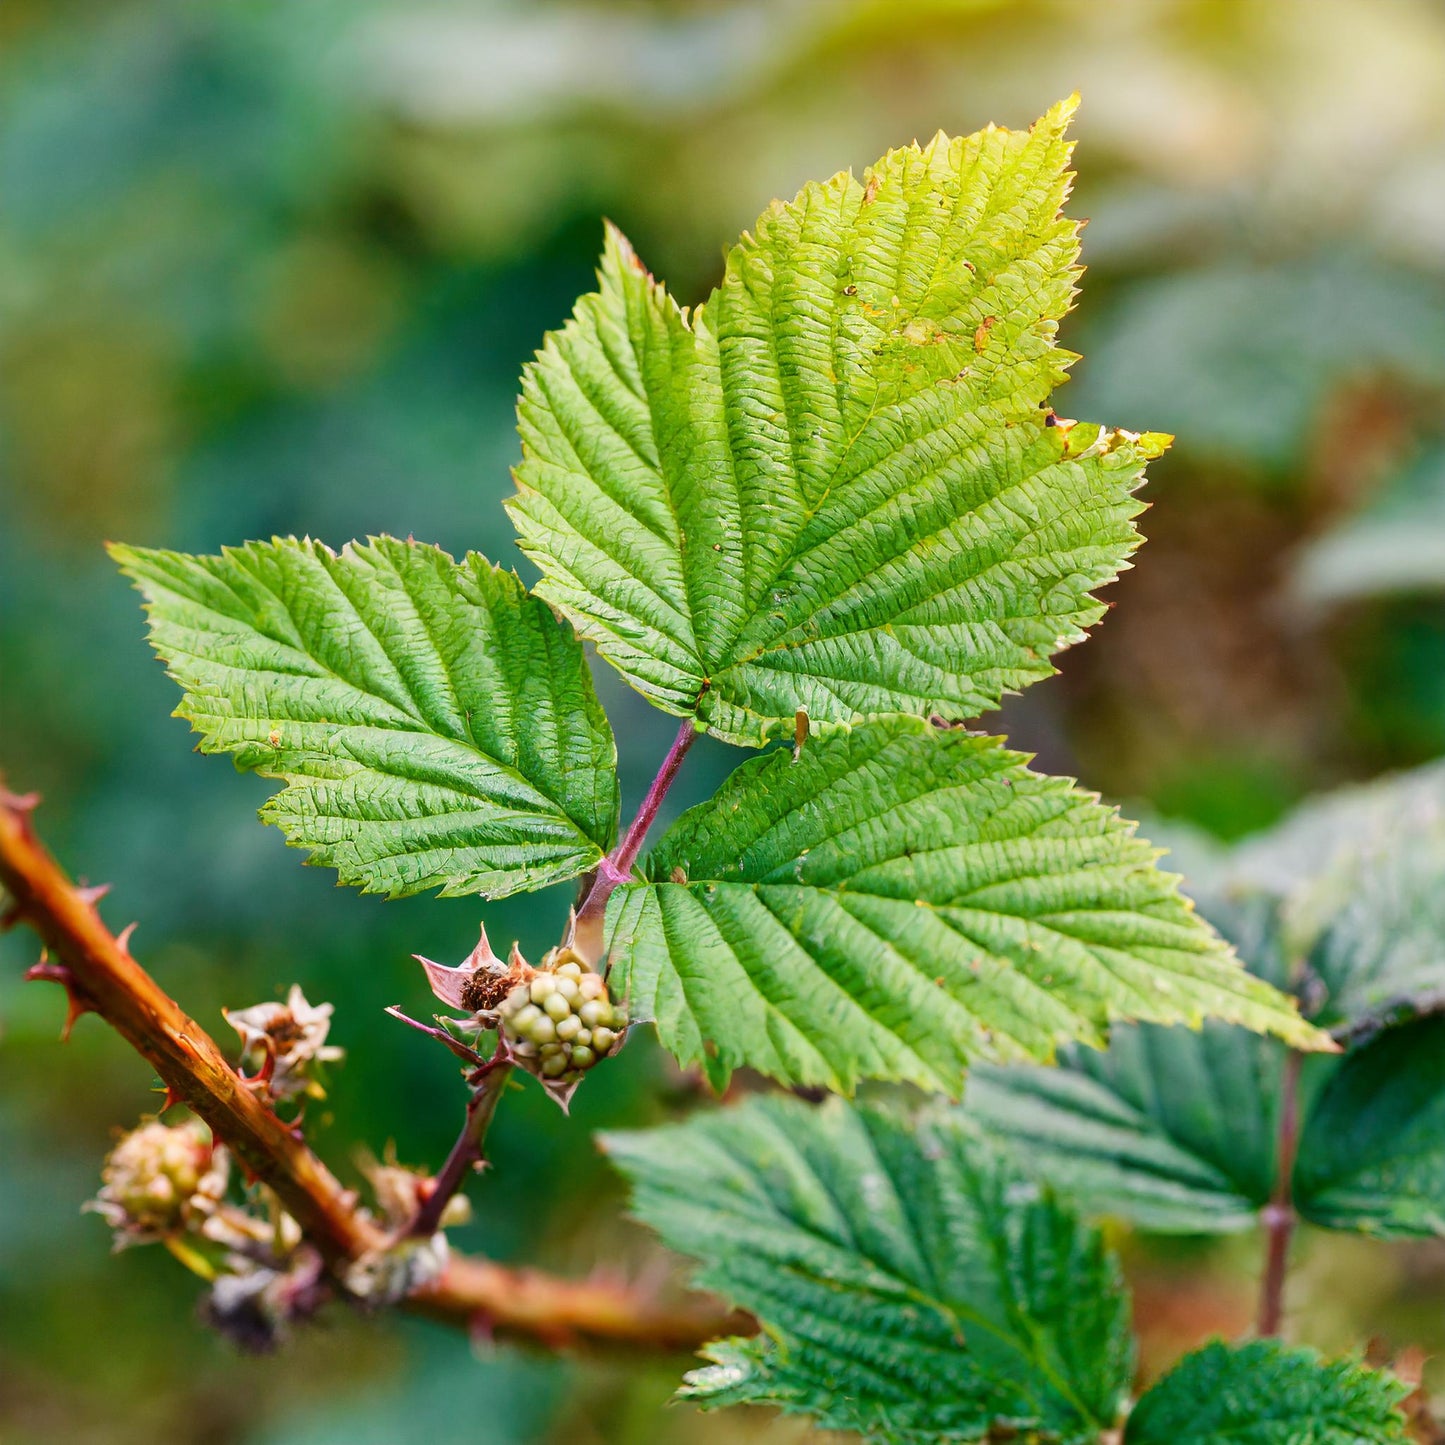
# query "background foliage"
(276, 268)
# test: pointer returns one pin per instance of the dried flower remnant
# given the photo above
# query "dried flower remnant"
(287, 1041)
(161, 1181)
(480, 982)
(255, 1305)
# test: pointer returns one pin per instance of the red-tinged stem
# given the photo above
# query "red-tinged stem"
(616, 868)
(1279, 1214)
(487, 1085)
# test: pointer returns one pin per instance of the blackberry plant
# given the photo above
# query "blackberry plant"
(828, 516)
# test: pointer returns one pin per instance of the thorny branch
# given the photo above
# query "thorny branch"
(100, 976)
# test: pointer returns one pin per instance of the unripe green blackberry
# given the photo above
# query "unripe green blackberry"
(561, 1021)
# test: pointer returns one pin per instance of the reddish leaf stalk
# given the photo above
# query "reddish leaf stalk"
(1279, 1214)
(100, 976)
(487, 1085)
(616, 868)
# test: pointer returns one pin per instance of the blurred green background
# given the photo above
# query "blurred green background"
(275, 267)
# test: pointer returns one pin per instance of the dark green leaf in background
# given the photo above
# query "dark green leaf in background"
(1381, 957)
(1373, 1153)
(1264, 1393)
(1170, 1129)
(1176, 1132)
(912, 1286)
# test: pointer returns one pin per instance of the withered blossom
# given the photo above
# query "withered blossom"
(287, 1041)
(480, 982)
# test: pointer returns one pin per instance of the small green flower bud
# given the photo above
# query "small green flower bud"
(522, 1021)
(562, 1021)
(595, 1011)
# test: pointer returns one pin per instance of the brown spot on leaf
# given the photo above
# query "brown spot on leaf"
(980, 337)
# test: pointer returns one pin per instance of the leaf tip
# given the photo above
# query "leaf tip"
(1057, 117)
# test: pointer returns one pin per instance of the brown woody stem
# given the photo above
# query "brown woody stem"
(528, 1304)
(100, 976)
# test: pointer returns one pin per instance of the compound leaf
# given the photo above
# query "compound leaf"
(435, 726)
(1264, 1393)
(903, 900)
(833, 488)
(911, 1286)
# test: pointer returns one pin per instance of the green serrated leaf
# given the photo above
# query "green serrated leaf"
(911, 1286)
(904, 900)
(434, 725)
(1264, 1393)
(1372, 1155)
(833, 488)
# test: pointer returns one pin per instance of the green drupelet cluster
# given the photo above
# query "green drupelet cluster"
(562, 1021)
